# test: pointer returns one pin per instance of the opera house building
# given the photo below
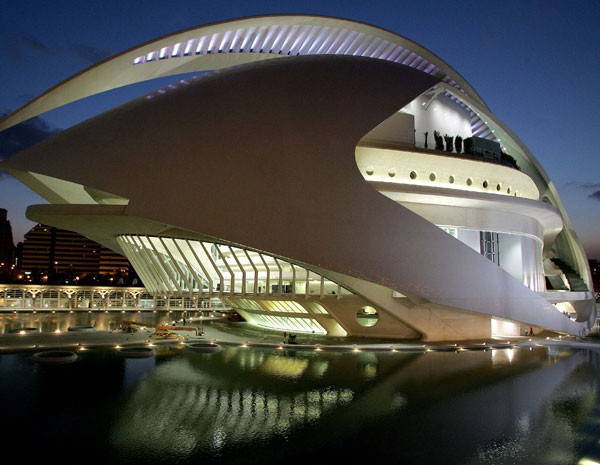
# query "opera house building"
(318, 175)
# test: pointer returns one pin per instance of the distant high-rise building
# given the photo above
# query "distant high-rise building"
(7, 246)
(53, 251)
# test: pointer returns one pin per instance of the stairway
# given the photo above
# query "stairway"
(575, 282)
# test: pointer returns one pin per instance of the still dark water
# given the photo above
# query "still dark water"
(266, 406)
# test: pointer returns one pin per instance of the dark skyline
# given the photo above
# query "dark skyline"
(534, 63)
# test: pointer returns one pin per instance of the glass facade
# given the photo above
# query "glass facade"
(174, 266)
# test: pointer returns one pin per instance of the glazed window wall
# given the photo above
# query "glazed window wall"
(170, 266)
(488, 246)
(272, 314)
(517, 254)
(282, 323)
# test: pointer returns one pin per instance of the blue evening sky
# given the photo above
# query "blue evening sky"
(535, 63)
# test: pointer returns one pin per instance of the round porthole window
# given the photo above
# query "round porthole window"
(432, 177)
(469, 181)
(367, 316)
(392, 172)
(413, 175)
(370, 170)
(499, 187)
(451, 179)
(485, 184)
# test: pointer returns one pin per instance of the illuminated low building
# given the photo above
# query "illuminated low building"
(318, 175)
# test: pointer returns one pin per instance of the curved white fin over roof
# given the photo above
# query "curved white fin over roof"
(233, 42)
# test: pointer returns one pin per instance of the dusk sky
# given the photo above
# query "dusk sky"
(535, 63)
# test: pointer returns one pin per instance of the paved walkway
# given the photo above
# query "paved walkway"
(227, 334)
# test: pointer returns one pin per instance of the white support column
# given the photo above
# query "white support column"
(215, 267)
(293, 280)
(204, 270)
(307, 284)
(268, 285)
(148, 264)
(154, 264)
(164, 266)
(322, 286)
(177, 266)
(280, 280)
(191, 269)
(231, 274)
(255, 272)
(242, 270)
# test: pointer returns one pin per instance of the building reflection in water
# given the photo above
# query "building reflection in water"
(473, 407)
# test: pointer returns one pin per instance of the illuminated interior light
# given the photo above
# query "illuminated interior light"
(188, 47)
(586, 461)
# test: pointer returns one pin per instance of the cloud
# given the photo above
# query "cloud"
(89, 54)
(595, 186)
(583, 185)
(18, 45)
(21, 136)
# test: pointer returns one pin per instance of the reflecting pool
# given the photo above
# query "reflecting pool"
(253, 405)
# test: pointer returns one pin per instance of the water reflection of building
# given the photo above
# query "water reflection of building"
(220, 402)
